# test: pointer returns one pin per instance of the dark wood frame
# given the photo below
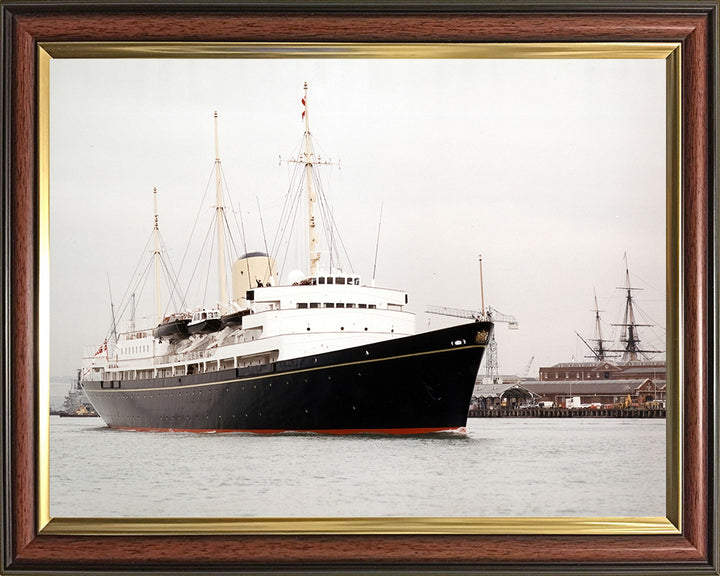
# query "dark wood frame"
(692, 23)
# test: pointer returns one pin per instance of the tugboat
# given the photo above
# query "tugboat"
(76, 403)
(325, 353)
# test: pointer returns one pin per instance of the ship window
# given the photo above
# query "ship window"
(321, 280)
(362, 305)
(350, 305)
(329, 304)
(314, 304)
(349, 281)
(330, 280)
(339, 305)
(340, 281)
(357, 282)
(302, 305)
(313, 282)
(372, 306)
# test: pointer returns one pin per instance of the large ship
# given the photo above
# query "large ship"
(323, 352)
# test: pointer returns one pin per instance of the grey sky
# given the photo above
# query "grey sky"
(552, 169)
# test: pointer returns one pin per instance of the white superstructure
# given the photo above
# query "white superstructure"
(322, 312)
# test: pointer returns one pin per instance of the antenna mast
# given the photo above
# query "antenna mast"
(220, 216)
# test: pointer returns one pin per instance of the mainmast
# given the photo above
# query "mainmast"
(156, 233)
(631, 339)
(309, 160)
(220, 217)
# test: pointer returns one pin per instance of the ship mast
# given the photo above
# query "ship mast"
(309, 159)
(220, 217)
(600, 352)
(631, 339)
(156, 234)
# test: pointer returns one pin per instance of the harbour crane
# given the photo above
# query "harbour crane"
(526, 371)
(485, 314)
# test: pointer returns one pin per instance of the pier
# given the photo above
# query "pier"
(538, 412)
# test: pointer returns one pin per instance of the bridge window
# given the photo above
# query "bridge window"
(339, 280)
(302, 305)
(330, 280)
(321, 280)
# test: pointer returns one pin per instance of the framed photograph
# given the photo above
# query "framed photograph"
(82, 105)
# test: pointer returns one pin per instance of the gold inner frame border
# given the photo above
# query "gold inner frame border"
(671, 524)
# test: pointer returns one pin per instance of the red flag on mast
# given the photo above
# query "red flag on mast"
(303, 103)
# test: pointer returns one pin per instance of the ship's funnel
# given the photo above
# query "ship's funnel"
(250, 271)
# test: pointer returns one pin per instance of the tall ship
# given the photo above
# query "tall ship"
(323, 352)
(621, 372)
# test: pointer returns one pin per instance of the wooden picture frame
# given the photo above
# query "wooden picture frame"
(688, 544)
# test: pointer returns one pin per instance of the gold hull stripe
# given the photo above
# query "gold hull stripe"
(280, 374)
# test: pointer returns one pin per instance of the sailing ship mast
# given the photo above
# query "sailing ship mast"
(599, 351)
(631, 338)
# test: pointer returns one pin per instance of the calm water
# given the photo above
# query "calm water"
(501, 467)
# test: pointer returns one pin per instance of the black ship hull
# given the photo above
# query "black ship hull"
(408, 385)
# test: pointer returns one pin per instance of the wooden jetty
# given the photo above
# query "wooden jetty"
(537, 412)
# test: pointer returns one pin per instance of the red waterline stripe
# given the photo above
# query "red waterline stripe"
(337, 431)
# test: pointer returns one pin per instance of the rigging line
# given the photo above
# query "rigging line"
(292, 198)
(171, 277)
(172, 297)
(286, 211)
(197, 262)
(207, 275)
(197, 218)
(291, 221)
(241, 226)
(137, 267)
(332, 224)
(237, 255)
(377, 243)
(262, 228)
(138, 288)
(294, 178)
(112, 308)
